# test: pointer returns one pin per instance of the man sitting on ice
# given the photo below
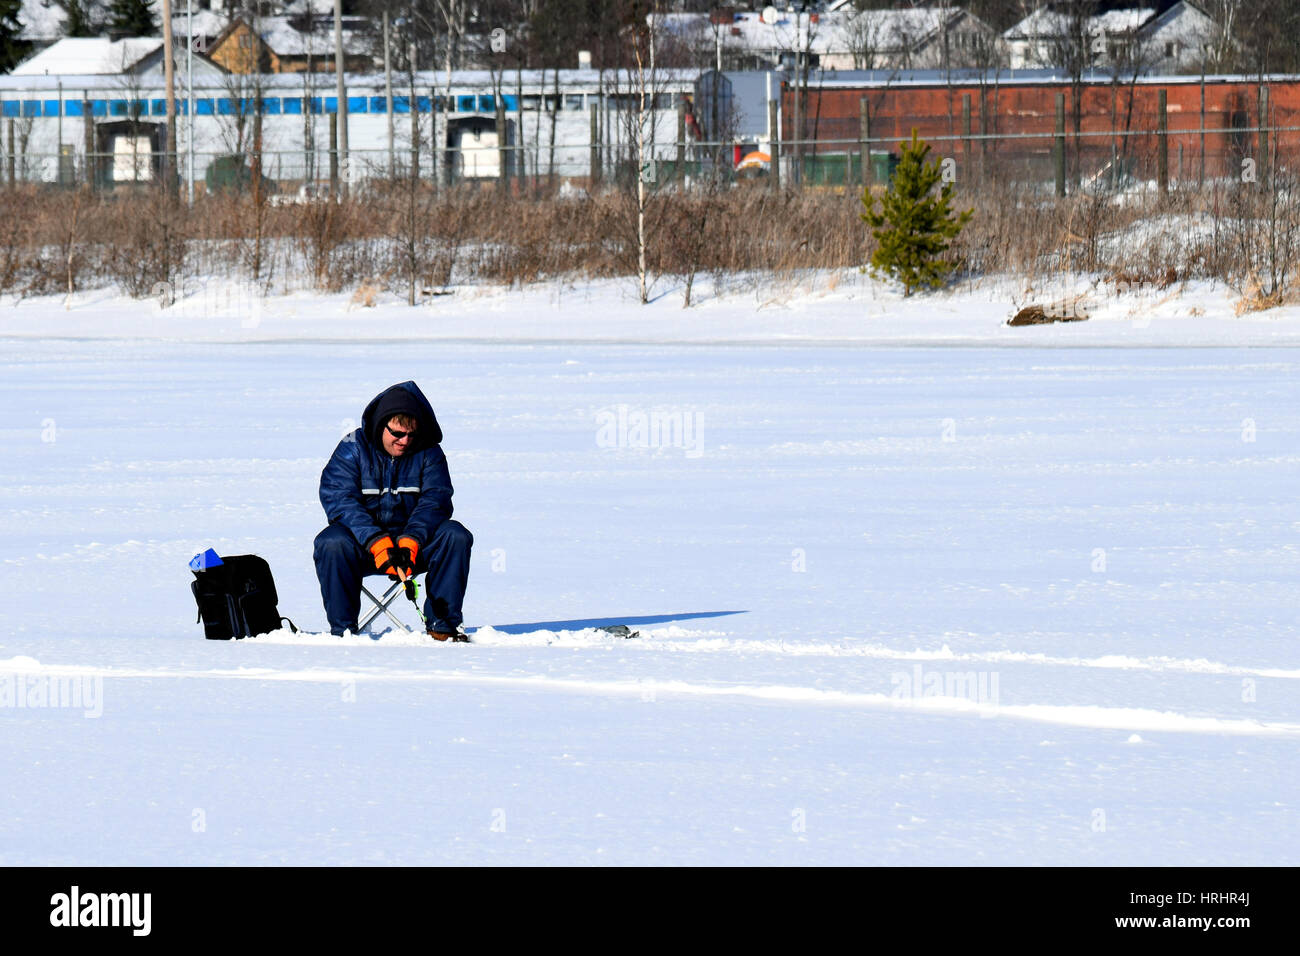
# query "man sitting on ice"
(387, 494)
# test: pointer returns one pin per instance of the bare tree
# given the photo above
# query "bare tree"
(637, 91)
(315, 47)
(442, 26)
(407, 201)
(1069, 47)
(1221, 53)
(1126, 61)
(1264, 239)
(990, 59)
(131, 87)
(243, 86)
(795, 44)
(864, 33)
(1267, 37)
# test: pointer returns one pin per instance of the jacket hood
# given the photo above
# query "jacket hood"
(403, 398)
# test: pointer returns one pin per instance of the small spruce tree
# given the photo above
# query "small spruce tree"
(914, 227)
(12, 48)
(131, 18)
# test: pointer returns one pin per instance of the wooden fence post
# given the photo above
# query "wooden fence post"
(773, 123)
(1263, 137)
(864, 144)
(965, 132)
(1162, 141)
(595, 145)
(1059, 150)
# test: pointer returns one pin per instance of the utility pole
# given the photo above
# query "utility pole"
(388, 98)
(342, 111)
(169, 69)
(189, 87)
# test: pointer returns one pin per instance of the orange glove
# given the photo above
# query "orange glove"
(412, 548)
(389, 558)
(382, 551)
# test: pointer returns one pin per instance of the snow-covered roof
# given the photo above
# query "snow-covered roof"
(1183, 18)
(829, 32)
(1049, 23)
(317, 7)
(1042, 22)
(89, 56)
(1121, 21)
(280, 35)
(589, 81)
(207, 23)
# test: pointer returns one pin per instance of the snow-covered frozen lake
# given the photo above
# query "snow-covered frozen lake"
(899, 602)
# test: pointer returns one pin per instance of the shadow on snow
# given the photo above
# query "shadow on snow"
(578, 625)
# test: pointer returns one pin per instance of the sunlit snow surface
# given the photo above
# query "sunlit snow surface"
(976, 596)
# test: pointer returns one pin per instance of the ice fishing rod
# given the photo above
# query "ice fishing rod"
(412, 593)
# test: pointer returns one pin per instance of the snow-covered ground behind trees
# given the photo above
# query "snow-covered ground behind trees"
(912, 587)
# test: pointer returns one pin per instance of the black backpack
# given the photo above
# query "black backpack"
(237, 598)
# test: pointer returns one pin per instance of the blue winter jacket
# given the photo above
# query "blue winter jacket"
(373, 494)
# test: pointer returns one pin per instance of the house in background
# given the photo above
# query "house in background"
(1170, 42)
(137, 59)
(129, 141)
(292, 44)
(839, 38)
(205, 25)
(1116, 36)
(1180, 39)
(917, 38)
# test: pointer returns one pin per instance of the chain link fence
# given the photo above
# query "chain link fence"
(1065, 164)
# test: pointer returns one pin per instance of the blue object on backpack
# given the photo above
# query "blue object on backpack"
(208, 559)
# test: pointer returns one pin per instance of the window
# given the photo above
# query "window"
(573, 101)
(1171, 49)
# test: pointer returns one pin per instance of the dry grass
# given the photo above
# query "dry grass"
(409, 239)
(1255, 299)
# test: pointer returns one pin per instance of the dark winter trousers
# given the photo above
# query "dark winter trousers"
(341, 563)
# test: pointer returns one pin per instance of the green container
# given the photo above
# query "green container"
(826, 169)
(844, 169)
(666, 169)
(227, 173)
(883, 166)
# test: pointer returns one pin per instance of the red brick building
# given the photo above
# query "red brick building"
(1012, 121)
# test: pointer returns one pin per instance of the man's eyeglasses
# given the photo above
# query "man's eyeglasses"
(399, 435)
